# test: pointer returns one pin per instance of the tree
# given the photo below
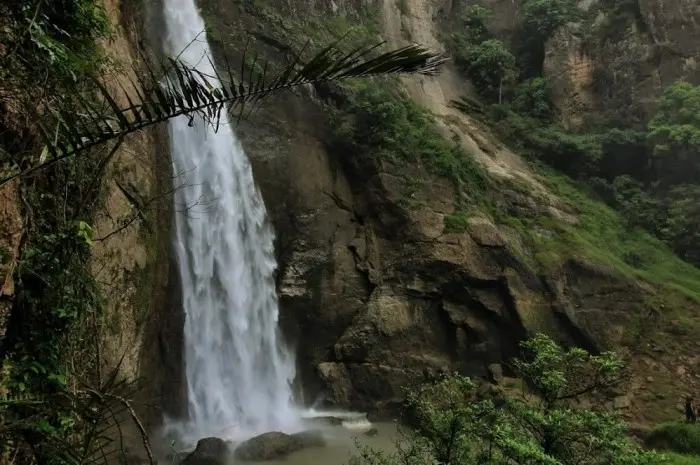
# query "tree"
(541, 425)
(484, 59)
(682, 229)
(542, 18)
(184, 90)
(674, 133)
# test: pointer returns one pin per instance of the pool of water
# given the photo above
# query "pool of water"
(341, 443)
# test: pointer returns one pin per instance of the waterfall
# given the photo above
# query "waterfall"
(238, 374)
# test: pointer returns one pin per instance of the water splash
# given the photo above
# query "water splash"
(238, 375)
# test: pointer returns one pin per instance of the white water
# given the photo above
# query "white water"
(238, 375)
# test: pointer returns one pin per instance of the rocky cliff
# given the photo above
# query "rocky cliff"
(130, 242)
(375, 294)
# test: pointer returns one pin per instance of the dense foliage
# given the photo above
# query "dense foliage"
(650, 176)
(49, 355)
(540, 424)
(391, 127)
(53, 40)
(682, 438)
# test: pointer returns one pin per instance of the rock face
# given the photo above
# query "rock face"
(374, 295)
(209, 451)
(627, 64)
(275, 445)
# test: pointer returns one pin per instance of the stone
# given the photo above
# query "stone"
(484, 232)
(496, 371)
(372, 432)
(276, 445)
(209, 451)
(328, 421)
(622, 402)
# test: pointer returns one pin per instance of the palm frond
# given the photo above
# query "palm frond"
(184, 90)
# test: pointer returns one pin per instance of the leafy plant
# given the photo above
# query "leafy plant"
(484, 59)
(188, 91)
(674, 133)
(390, 126)
(542, 425)
(683, 438)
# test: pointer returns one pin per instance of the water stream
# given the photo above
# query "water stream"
(238, 373)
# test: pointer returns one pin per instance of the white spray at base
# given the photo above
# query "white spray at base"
(238, 375)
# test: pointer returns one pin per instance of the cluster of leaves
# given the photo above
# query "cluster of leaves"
(394, 128)
(53, 42)
(541, 425)
(51, 337)
(651, 177)
(49, 52)
(484, 59)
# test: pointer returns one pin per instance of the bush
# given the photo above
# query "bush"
(485, 60)
(683, 438)
(60, 35)
(394, 128)
(453, 426)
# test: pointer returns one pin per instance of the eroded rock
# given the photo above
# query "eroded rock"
(209, 451)
(275, 445)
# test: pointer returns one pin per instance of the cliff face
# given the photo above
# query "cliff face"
(132, 253)
(633, 54)
(375, 294)
(130, 260)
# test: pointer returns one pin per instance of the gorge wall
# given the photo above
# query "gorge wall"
(375, 294)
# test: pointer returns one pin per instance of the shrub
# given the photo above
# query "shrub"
(393, 127)
(683, 438)
(453, 426)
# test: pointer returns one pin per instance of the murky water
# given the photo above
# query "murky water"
(341, 444)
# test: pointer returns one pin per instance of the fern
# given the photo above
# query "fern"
(183, 90)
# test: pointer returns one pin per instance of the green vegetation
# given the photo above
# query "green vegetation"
(484, 60)
(393, 128)
(681, 438)
(540, 424)
(52, 41)
(650, 177)
(48, 353)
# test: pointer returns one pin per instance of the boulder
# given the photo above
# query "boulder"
(209, 451)
(275, 445)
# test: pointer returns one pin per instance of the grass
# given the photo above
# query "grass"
(676, 437)
(602, 236)
(678, 459)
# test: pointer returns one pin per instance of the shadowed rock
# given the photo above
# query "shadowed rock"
(209, 451)
(274, 445)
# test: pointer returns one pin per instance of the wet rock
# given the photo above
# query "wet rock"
(372, 432)
(209, 451)
(328, 421)
(275, 445)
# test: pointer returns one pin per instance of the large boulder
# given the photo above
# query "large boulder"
(275, 445)
(209, 451)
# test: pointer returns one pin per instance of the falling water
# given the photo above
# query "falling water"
(238, 375)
